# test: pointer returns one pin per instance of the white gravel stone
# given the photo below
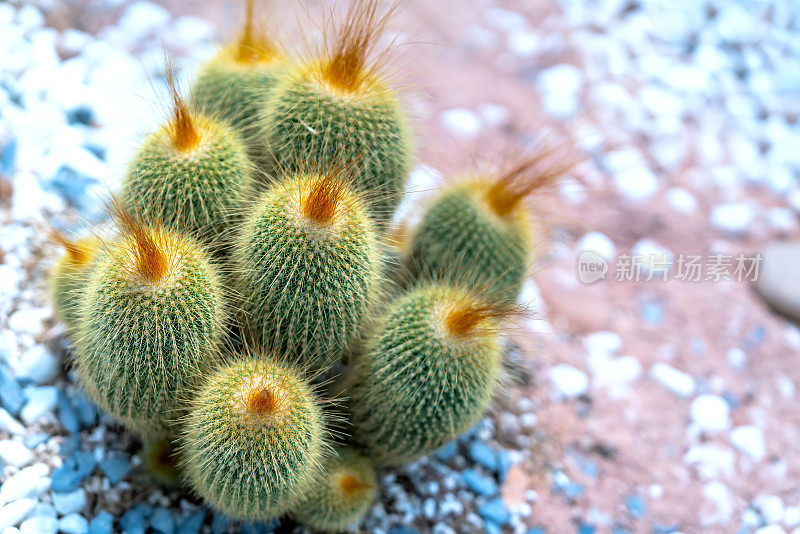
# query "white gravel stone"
(770, 506)
(30, 481)
(770, 529)
(791, 516)
(143, 18)
(615, 371)
(560, 86)
(14, 512)
(568, 381)
(28, 320)
(523, 42)
(9, 424)
(600, 243)
(681, 200)
(632, 177)
(749, 439)
(719, 496)
(782, 220)
(605, 343)
(710, 413)
(41, 402)
(14, 453)
(39, 525)
(37, 364)
(712, 461)
(71, 502)
(461, 121)
(733, 217)
(676, 381)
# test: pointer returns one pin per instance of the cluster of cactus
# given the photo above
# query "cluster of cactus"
(250, 269)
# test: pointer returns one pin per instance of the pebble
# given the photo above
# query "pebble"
(73, 524)
(480, 484)
(11, 394)
(568, 381)
(14, 512)
(636, 506)
(681, 200)
(103, 523)
(749, 439)
(41, 403)
(462, 122)
(142, 18)
(770, 507)
(66, 413)
(76, 468)
(676, 381)
(115, 467)
(29, 481)
(191, 524)
(483, 455)
(733, 217)
(37, 365)
(633, 179)
(39, 525)
(9, 424)
(69, 503)
(162, 521)
(600, 243)
(560, 86)
(15, 453)
(710, 413)
(495, 510)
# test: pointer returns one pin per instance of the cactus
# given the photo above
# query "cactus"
(342, 496)
(232, 84)
(160, 458)
(68, 277)
(429, 372)
(254, 439)
(192, 174)
(151, 322)
(337, 108)
(479, 231)
(310, 267)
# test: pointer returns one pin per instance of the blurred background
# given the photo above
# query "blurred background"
(655, 383)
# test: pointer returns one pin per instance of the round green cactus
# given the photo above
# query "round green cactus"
(254, 439)
(232, 85)
(151, 322)
(428, 374)
(342, 496)
(461, 238)
(192, 174)
(68, 277)
(336, 109)
(309, 266)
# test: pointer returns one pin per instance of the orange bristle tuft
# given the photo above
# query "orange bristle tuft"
(183, 130)
(150, 260)
(346, 65)
(530, 174)
(78, 254)
(262, 401)
(252, 46)
(464, 319)
(324, 197)
(351, 485)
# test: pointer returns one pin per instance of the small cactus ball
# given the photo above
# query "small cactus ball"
(309, 264)
(68, 277)
(343, 494)
(152, 318)
(336, 108)
(192, 174)
(232, 84)
(254, 439)
(428, 374)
